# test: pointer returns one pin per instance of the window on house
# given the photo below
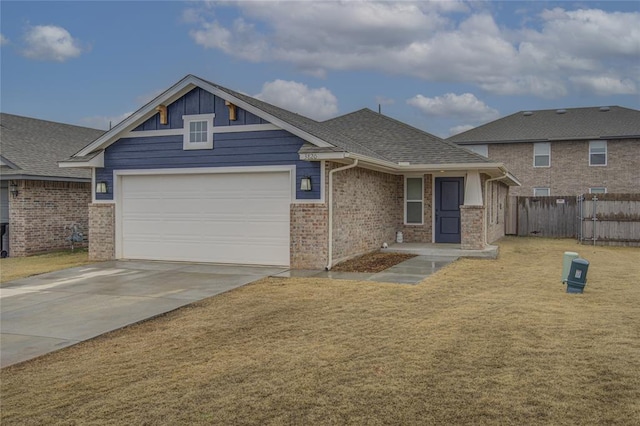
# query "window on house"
(598, 153)
(598, 190)
(479, 149)
(542, 154)
(541, 192)
(198, 131)
(414, 197)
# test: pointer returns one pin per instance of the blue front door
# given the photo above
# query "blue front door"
(449, 198)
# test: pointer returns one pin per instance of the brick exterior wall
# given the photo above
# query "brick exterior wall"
(308, 236)
(570, 173)
(418, 233)
(42, 212)
(102, 235)
(367, 210)
(471, 224)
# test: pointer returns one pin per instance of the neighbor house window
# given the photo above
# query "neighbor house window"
(479, 149)
(541, 192)
(598, 153)
(414, 196)
(542, 154)
(598, 190)
(198, 131)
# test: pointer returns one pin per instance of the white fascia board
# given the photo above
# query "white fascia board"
(97, 161)
(262, 114)
(318, 156)
(174, 92)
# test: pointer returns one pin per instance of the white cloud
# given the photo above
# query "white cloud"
(605, 85)
(318, 104)
(450, 105)
(3, 40)
(459, 129)
(435, 41)
(50, 43)
(104, 122)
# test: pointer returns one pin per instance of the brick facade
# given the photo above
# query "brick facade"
(102, 225)
(308, 236)
(41, 214)
(471, 224)
(570, 173)
(367, 211)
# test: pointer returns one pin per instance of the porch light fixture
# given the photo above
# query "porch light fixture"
(101, 187)
(13, 188)
(305, 183)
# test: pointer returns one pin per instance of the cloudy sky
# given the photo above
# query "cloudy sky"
(442, 66)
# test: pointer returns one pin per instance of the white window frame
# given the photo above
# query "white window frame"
(592, 145)
(479, 149)
(542, 146)
(541, 189)
(600, 190)
(407, 200)
(187, 120)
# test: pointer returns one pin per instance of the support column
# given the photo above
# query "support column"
(472, 229)
(102, 227)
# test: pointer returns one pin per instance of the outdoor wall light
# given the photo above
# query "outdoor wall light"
(101, 187)
(13, 188)
(305, 183)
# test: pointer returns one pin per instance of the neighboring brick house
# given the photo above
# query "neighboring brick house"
(564, 152)
(206, 174)
(39, 200)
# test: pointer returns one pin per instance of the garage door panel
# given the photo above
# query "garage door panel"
(223, 218)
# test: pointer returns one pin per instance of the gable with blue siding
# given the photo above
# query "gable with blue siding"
(253, 148)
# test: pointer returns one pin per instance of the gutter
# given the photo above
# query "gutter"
(330, 248)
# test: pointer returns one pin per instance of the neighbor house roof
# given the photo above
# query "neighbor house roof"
(30, 148)
(548, 125)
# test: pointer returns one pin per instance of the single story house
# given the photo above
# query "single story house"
(203, 173)
(39, 201)
(559, 152)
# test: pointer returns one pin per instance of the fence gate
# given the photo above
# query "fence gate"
(547, 216)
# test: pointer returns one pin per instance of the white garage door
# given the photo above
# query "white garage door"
(224, 218)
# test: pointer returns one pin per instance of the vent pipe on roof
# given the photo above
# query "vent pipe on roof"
(527, 113)
(604, 109)
(561, 111)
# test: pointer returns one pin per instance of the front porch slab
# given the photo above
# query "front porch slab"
(441, 250)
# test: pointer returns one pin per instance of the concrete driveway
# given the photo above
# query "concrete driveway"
(55, 310)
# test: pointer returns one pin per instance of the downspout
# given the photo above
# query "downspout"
(339, 169)
(486, 197)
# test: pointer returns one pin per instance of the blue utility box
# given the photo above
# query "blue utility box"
(577, 278)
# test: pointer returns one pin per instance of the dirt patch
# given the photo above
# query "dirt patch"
(372, 262)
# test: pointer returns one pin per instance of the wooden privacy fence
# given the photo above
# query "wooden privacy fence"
(609, 219)
(604, 219)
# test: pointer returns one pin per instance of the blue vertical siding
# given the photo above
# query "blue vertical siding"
(199, 101)
(273, 147)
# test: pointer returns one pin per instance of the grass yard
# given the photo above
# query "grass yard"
(479, 342)
(13, 268)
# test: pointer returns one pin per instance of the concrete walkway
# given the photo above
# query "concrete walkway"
(410, 271)
(55, 310)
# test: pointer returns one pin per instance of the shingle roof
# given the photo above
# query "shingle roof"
(399, 142)
(35, 146)
(543, 125)
(308, 125)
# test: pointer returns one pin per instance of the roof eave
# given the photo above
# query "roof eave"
(91, 161)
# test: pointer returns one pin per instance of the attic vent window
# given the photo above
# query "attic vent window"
(605, 109)
(561, 111)
(527, 113)
(198, 131)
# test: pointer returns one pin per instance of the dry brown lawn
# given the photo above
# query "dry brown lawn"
(479, 342)
(13, 268)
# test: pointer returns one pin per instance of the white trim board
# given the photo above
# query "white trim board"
(216, 130)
